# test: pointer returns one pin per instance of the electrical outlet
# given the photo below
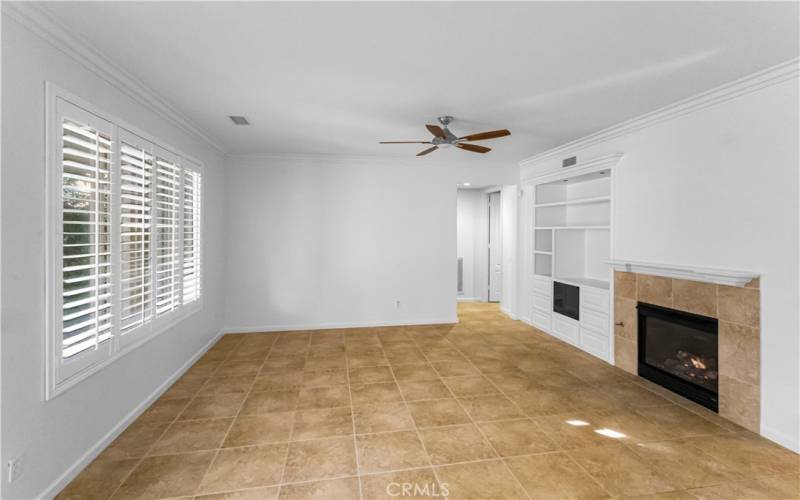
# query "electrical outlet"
(14, 469)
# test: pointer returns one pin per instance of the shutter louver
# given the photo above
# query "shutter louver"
(191, 235)
(167, 210)
(123, 240)
(86, 315)
(136, 291)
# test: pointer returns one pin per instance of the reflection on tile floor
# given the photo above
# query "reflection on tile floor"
(487, 408)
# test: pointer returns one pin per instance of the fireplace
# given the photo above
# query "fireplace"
(678, 350)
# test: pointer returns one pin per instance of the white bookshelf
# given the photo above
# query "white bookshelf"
(572, 228)
(572, 245)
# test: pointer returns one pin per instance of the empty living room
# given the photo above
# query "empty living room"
(256, 250)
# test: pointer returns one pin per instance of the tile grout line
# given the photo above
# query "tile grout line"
(413, 422)
(174, 419)
(352, 416)
(474, 424)
(294, 419)
(235, 417)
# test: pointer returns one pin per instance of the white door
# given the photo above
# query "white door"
(495, 249)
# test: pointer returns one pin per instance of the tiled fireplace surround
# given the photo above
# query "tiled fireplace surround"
(738, 311)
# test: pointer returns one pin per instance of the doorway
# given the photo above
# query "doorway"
(479, 245)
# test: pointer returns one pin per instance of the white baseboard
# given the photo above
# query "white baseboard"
(508, 313)
(468, 299)
(64, 479)
(781, 439)
(334, 326)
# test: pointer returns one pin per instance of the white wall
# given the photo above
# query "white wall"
(54, 435)
(468, 214)
(327, 242)
(719, 188)
(508, 301)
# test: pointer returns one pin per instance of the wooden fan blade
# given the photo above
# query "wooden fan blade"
(405, 142)
(473, 147)
(429, 150)
(436, 130)
(486, 135)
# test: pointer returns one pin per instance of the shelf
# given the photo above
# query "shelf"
(709, 275)
(584, 282)
(579, 201)
(543, 252)
(572, 227)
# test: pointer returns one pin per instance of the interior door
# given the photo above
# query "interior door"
(495, 248)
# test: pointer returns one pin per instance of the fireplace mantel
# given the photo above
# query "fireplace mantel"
(708, 275)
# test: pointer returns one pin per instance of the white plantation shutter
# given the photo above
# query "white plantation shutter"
(124, 242)
(167, 200)
(135, 205)
(84, 293)
(192, 195)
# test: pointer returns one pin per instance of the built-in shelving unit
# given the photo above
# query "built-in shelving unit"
(572, 224)
(572, 245)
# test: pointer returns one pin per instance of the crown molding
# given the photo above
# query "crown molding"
(541, 175)
(751, 83)
(375, 160)
(705, 274)
(37, 20)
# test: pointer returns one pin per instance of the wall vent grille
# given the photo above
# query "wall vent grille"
(568, 162)
(239, 120)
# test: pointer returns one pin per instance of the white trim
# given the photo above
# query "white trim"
(781, 438)
(507, 312)
(731, 90)
(468, 299)
(72, 471)
(705, 274)
(544, 173)
(336, 326)
(37, 20)
(327, 159)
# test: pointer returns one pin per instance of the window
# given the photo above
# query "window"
(125, 240)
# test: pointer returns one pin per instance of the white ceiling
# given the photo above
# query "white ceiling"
(336, 78)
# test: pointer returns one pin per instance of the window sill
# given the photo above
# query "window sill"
(180, 317)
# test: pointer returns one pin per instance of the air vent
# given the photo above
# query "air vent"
(239, 120)
(568, 162)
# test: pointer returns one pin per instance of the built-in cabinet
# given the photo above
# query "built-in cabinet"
(572, 228)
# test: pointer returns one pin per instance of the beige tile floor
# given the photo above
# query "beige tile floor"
(487, 408)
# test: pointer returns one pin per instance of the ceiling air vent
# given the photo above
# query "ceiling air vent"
(568, 162)
(239, 120)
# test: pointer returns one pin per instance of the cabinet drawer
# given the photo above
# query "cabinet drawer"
(566, 329)
(592, 298)
(541, 320)
(542, 303)
(595, 321)
(594, 344)
(543, 286)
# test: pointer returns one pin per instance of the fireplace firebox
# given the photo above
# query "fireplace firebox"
(679, 351)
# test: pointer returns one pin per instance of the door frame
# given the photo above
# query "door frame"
(490, 251)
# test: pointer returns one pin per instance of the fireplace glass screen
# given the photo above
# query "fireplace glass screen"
(678, 350)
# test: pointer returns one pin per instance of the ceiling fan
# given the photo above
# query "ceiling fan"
(443, 137)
